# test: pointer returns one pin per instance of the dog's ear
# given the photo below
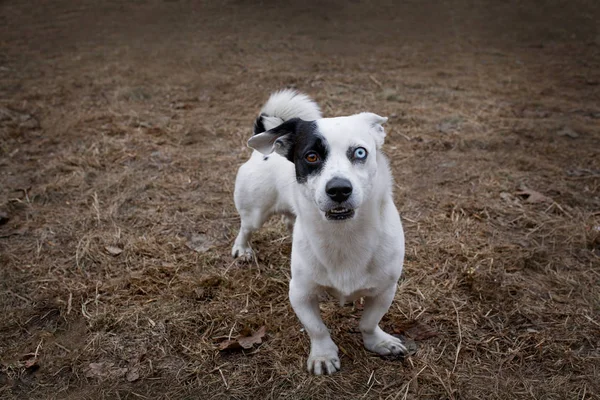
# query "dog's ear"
(279, 139)
(375, 121)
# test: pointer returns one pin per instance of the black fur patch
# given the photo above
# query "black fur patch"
(305, 142)
(296, 139)
(259, 126)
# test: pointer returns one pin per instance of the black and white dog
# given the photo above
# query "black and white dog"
(331, 180)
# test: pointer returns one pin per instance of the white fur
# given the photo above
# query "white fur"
(353, 258)
(287, 104)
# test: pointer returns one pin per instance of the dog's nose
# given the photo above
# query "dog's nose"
(338, 189)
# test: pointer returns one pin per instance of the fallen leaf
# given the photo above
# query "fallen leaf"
(133, 374)
(506, 196)
(531, 196)
(18, 232)
(18, 118)
(113, 250)
(583, 172)
(244, 342)
(566, 131)
(417, 330)
(200, 243)
(182, 106)
(104, 370)
(537, 113)
(31, 363)
(449, 124)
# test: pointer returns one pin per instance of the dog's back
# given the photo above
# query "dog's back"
(263, 184)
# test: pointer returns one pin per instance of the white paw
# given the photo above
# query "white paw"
(244, 253)
(384, 344)
(323, 359)
(323, 364)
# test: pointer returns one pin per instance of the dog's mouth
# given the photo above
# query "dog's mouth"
(339, 214)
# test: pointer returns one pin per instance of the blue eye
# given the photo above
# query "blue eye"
(360, 153)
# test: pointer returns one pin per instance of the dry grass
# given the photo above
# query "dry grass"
(124, 136)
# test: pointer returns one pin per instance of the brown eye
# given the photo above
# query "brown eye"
(312, 157)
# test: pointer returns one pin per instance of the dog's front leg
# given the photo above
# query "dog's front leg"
(323, 357)
(374, 338)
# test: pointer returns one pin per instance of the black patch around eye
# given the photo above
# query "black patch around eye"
(265, 158)
(295, 139)
(309, 139)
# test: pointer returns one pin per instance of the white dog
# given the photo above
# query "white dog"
(331, 176)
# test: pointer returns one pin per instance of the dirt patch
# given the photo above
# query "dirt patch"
(122, 125)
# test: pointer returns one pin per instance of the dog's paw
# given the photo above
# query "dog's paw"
(323, 359)
(384, 344)
(242, 252)
(323, 364)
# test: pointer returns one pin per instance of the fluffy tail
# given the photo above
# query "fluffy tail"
(283, 105)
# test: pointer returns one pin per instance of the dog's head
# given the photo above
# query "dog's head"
(335, 158)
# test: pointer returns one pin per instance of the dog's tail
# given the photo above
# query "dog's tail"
(283, 105)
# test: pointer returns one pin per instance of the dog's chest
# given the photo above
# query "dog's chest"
(345, 297)
(348, 281)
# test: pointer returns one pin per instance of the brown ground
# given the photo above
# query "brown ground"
(122, 124)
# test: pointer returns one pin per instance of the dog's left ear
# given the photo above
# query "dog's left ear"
(375, 121)
(279, 139)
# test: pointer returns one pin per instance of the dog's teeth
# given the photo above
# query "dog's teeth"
(339, 210)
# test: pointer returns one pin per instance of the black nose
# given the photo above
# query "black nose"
(338, 189)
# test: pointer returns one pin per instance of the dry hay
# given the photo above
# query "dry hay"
(118, 162)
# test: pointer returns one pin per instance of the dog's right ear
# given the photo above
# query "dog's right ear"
(279, 139)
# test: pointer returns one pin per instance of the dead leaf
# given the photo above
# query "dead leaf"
(531, 196)
(18, 232)
(104, 370)
(417, 330)
(31, 363)
(244, 342)
(566, 131)
(449, 124)
(200, 243)
(19, 118)
(133, 374)
(182, 106)
(113, 250)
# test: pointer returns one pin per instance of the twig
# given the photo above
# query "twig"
(224, 381)
(231, 331)
(408, 384)
(376, 81)
(70, 303)
(18, 296)
(442, 382)
(371, 384)
(591, 320)
(37, 349)
(459, 338)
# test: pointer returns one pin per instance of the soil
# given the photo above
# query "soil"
(122, 125)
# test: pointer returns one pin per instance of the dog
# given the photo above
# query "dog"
(330, 179)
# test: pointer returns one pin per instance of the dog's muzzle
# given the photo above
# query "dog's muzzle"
(339, 191)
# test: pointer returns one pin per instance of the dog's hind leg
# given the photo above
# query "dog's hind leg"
(251, 221)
